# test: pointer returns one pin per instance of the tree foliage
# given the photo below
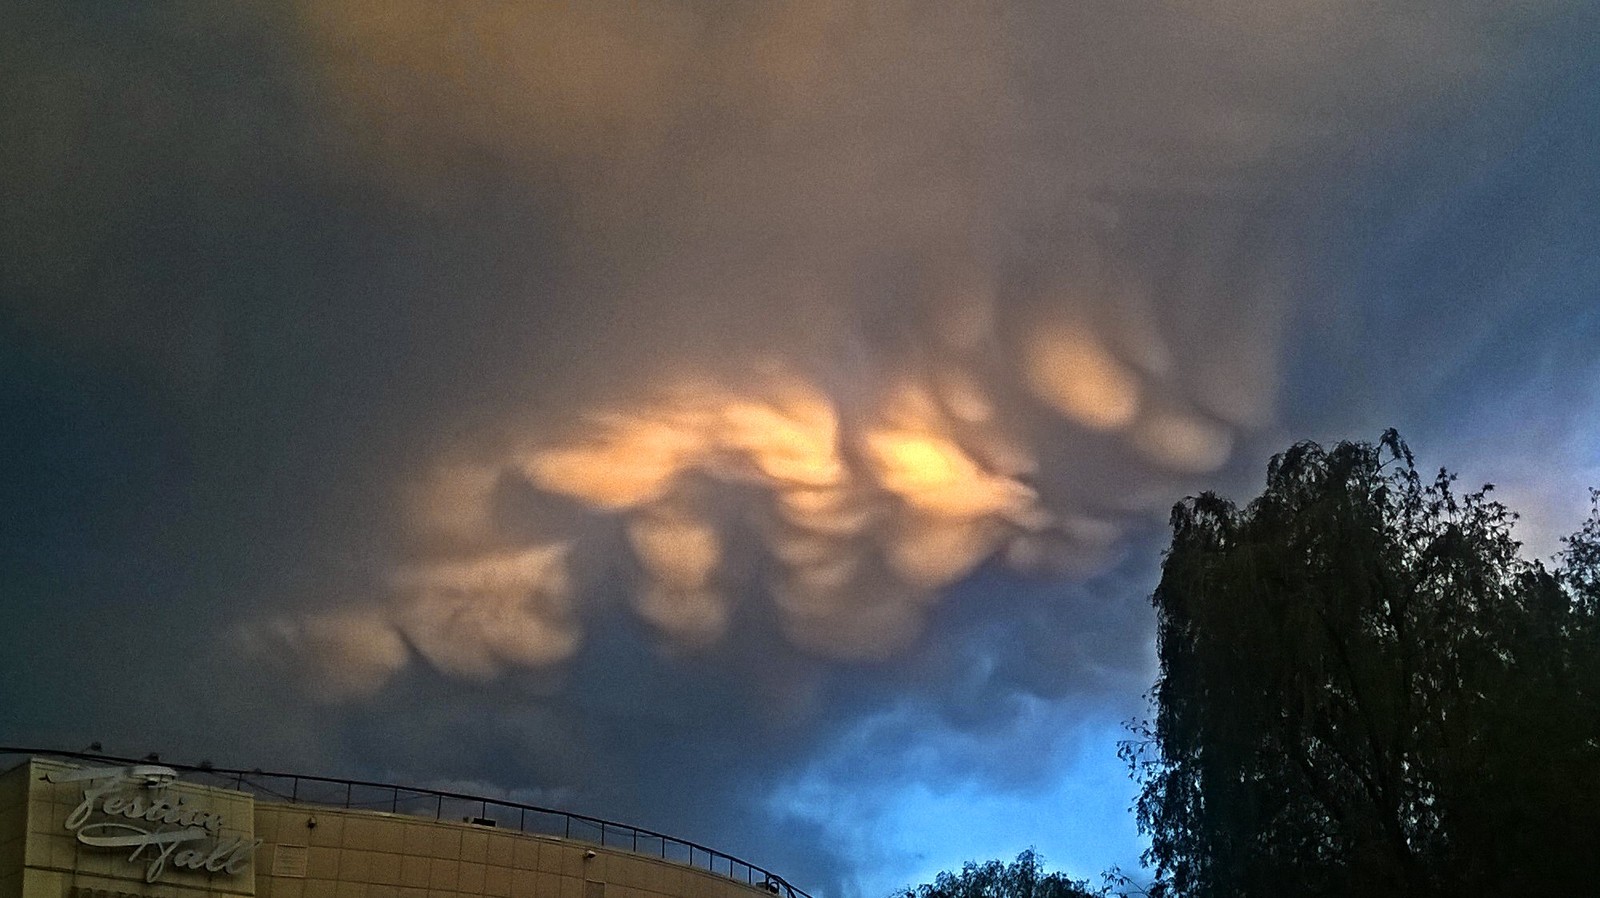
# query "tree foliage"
(1365, 690)
(1023, 878)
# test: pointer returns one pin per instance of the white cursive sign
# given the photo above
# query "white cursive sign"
(154, 821)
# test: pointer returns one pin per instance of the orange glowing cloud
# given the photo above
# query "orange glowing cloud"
(931, 552)
(791, 441)
(933, 475)
(677, 550)
(840, 511)
(474, 617)
(864, 520)
(907, 493)
(691, 618)
(631, 458)
(631, 462)
(1073, 373)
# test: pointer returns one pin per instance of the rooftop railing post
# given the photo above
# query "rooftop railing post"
(438, 812)
(348, 786)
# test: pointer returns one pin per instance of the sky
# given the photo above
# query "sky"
(754, 422)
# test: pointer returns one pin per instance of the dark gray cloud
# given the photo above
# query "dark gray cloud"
(671, 410)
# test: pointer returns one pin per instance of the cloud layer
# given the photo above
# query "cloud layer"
(657, 406)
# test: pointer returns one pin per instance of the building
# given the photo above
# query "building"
(87, 826)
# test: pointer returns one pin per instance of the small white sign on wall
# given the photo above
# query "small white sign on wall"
(290, 861)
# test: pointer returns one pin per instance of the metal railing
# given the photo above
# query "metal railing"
(334, 792)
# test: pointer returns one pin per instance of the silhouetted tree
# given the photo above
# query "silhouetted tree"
(1364, 690)
(1022, 878)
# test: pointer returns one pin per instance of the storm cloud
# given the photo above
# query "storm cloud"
(711, 414)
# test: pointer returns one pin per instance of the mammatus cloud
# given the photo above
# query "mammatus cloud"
(852, 520)
(917, 289)
(1051, 281)
(637, 401)
(467, 618)
(959, 319)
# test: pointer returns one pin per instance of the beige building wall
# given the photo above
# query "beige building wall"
(362, 854)
(307, 851)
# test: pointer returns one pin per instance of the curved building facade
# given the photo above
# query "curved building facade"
(91, 827)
